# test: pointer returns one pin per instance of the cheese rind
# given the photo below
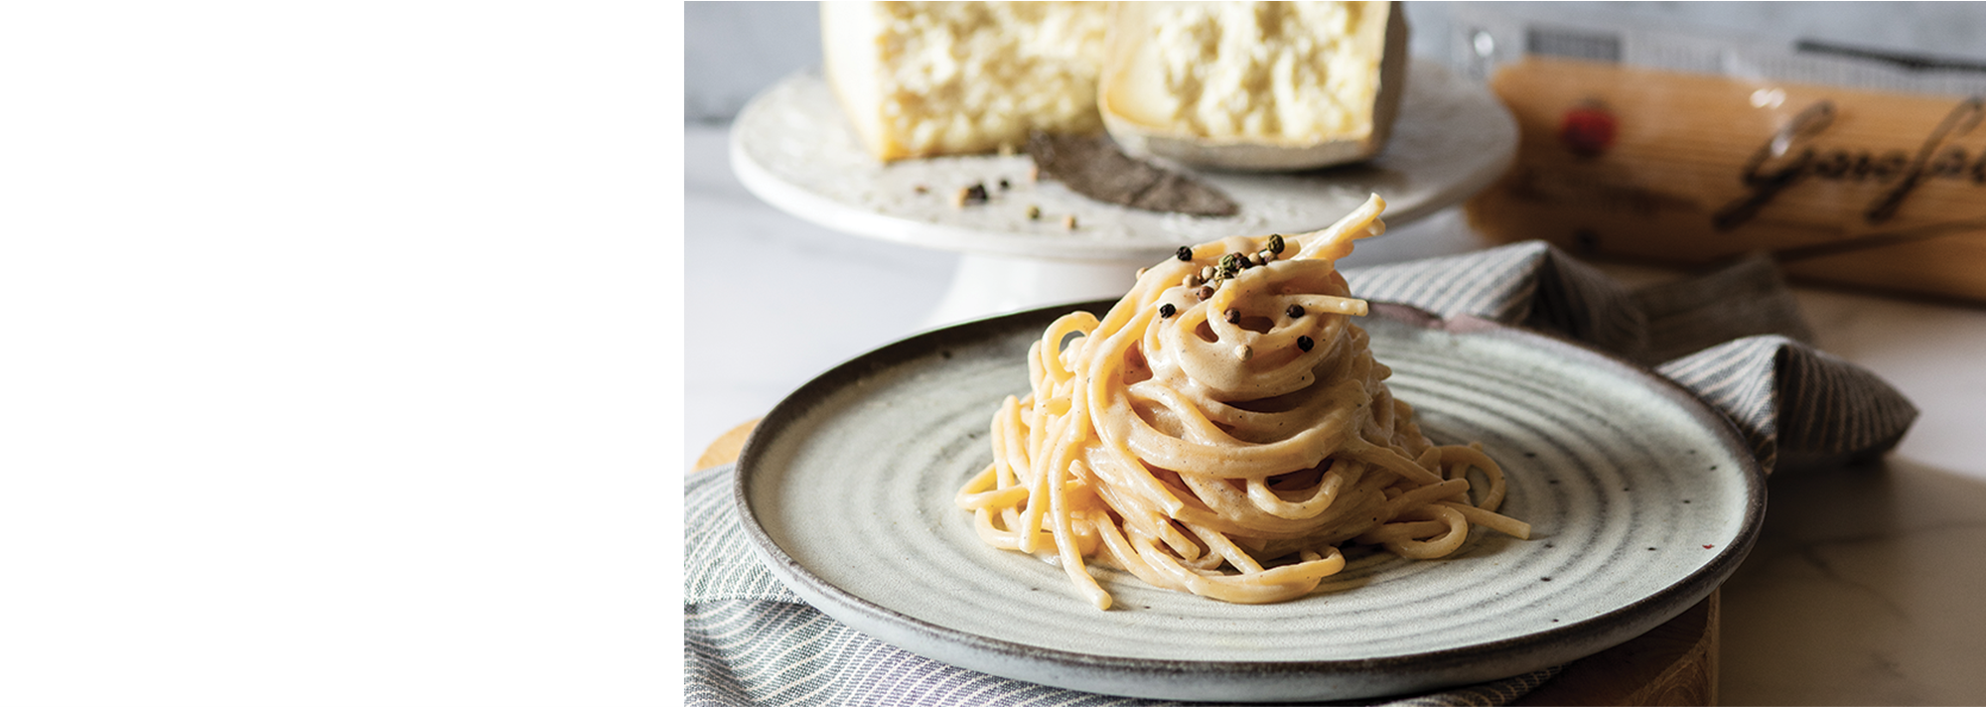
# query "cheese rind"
(1256, 86)
(919, 79)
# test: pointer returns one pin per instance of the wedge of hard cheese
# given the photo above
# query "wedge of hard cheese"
(1254, 86)
(919, 79)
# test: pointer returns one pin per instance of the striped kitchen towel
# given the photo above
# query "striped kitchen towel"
(1732, 336)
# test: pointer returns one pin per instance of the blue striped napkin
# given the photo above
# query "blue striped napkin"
(1733, 336)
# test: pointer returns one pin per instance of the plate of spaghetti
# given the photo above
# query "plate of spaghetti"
(1242, 483)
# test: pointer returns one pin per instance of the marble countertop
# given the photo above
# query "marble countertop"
(1862, 587)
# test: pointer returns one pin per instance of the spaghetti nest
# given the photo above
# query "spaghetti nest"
(1222, 431)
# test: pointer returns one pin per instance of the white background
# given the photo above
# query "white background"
(339, 353)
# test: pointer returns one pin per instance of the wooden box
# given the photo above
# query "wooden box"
(1875, 189)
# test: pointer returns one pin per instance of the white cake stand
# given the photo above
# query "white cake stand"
(792, 147)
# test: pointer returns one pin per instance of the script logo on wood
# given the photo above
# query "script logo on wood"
(1791, 157)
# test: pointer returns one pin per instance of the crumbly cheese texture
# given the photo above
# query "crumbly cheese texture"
(919, 79)
(1276, 71)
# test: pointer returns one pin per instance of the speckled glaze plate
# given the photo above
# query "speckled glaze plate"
(793, 147)
(1642, 501)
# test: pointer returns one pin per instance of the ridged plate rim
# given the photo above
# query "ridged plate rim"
(1247, 680)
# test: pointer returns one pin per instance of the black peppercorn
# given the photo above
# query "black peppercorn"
(1166, 310)
(1295, 311)
(1304, 342)
(975, 194)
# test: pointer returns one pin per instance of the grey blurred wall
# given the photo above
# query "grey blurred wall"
(734, 49)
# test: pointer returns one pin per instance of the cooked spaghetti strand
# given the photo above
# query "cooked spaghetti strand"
(1224, 437)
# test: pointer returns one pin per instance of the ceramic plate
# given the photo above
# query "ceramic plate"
(1641, 499)
(793, 147)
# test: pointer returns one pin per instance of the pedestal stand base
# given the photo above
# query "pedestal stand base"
(986, 285)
